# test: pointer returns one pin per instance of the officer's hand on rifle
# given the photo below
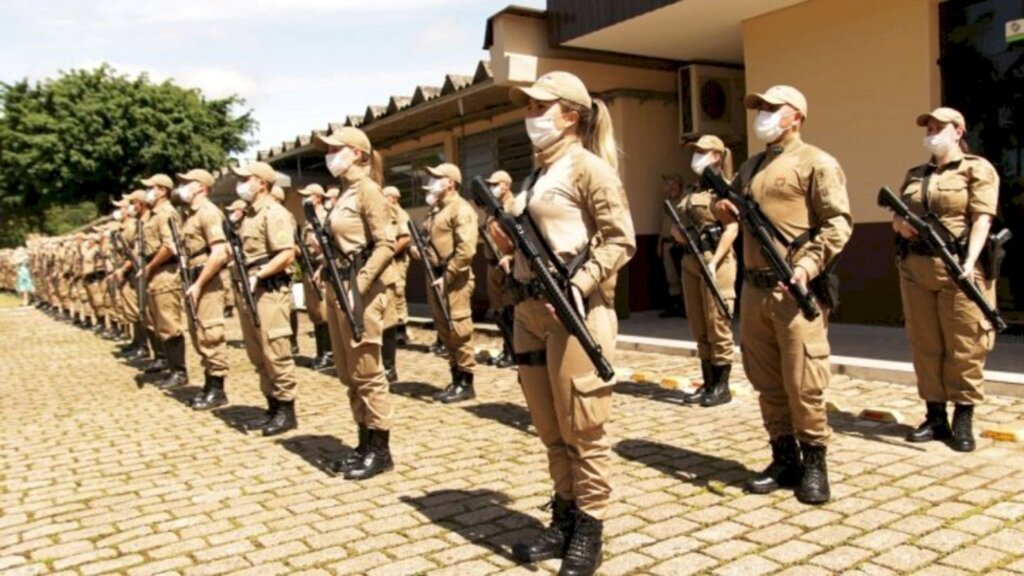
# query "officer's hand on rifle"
(415, 253)
(678, 236)
(439, 283)
(253, 282)
(799, 277)
(501, 239)
(505, 263)
(193, 293)
(725, 211)
(968, 266)
(903, 228)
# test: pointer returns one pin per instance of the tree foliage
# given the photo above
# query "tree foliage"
(90, 135)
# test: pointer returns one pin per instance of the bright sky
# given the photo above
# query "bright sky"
(298, 63)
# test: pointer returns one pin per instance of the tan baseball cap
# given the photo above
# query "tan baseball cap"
(776, 96)
(708, 143)
(446, 170)
(135, 196)
(944, 115)
(312, 190)
(346, 136)
(162, 180)
(197, 175)
(120, 203)
(277, 193)
(392, 191)
(500, 177)
(261, 170)
(553, 86)
(237, 205)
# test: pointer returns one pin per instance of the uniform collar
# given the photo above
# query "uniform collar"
(788, 144)
(260, 203)
(201, 204)
(551, 154)
(953, 164)
(448, 199)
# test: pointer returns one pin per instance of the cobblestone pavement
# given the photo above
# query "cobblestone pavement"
(99, 476)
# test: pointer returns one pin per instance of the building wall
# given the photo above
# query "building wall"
(868, 68)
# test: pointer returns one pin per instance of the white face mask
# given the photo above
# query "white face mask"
(700, 161)
(151, 196)
(542, 131)
(131, 211)
(244, 191)
(942, 142)
(431, 198)
(496, 190)
(339, 162)
(184, 193)
(434, 186)
(768, 125)
(117, 215)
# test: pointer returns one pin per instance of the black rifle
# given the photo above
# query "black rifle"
(242, 279)
(306, 263)
(927, 234)
(764, 233)
(553, 292)
(140, 270)
(184, 273)
(690, 234)
(333, 276)
(439, 292)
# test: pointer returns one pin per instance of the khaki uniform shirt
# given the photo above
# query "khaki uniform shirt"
(267, 229)
(694, 209)
(203, 229)
(956, 191)
(90, 258)
(799, 187)
(156, 231)
(451, 227)
(401, 218)
(360, 219)
(578, 201)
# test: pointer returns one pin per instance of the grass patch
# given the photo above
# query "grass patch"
(8, 300)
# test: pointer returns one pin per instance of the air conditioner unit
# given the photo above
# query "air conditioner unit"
(711, 102)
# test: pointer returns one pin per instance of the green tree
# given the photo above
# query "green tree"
(90, 135)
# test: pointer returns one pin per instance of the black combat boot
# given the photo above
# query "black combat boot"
(935, 425)
(463, 389)
(438, 348)
(388, 353)
(455, 372)
(401, 335)
(322, 336)
(272, 405)
(138, 341)
(719, 392)
(706, 385)
(159, 363)
(355, 456)
(583, 556)
(553, 541)
(963, 436)
(283, 419)
(174, 348)
(785, 471)
(377, 458)
(213, 396)
(813, 487)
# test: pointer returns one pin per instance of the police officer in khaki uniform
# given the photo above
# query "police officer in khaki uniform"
(451, 228)
(579, 206)
(949, 336)
(92, 281)
(394, 332)
(802, 190)
(163, 283)
(202, 237)
(312, 281)
(710, 328)
(361, 230)
(669, 250)
(277, 194)
(268, 240)
(125, 274)
(498, 267)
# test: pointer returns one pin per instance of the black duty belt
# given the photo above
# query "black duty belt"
(173, 260)
(920, 248)
(256, 263)
(275, 282)
(523, 291)
(197, 253)
(94, 277)
(763, 279)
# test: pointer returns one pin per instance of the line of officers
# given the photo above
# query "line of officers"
(577, 202)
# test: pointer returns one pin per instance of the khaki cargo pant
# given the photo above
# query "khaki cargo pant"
(672, 272)
(208, 338)
(268, 347)
(949, 336)
(569, 404)
(711, 329)
(315, 307)
(401, 305)
(94, 291)
(130, 301)
(786, 358)
(458, 339)
(359, 364)
(164, 305)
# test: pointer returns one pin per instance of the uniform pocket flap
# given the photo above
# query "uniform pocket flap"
(589, 383)
(276, 333)
(817, 349)
(211, 323)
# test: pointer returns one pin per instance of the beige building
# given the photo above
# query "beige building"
(673, 69)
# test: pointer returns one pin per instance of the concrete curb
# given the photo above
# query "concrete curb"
(1002, 383)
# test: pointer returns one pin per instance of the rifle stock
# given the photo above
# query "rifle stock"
(184, 273)
(439, 294)
(242, 280)
(333, 277)
(692, 240)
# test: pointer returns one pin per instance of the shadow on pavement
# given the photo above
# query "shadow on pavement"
(241, 419)
(684, 465)
(650, 392)
(507, 413)
(318, 450)
(416, 390)
(849, 424)
(184, 394)
(480, 516)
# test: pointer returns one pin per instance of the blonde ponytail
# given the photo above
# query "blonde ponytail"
(377, 168)
(596, 131)
(727, 167)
